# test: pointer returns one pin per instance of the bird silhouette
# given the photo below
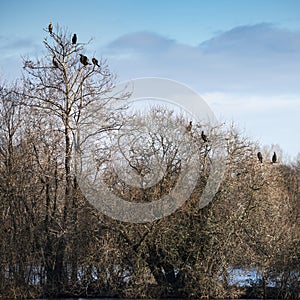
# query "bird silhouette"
(260, 157)
(55, 63)
(84, 60)
(189, 127)
(74, 39)
(95, 61)
(50, 28)
(204, 137)
(274, 158)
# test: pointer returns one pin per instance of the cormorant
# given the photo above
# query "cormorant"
(84, 60)
(274, 158)
(204, 137)
(189, 127)
(50, 28)
(95, 61)
(260, 157)
(55, 63)
(74, 39)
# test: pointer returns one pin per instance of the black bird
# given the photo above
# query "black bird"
(95, 61)
(260, 157)
(84, 60)
(204, 137)
(189, 127)
(55, 63)
(74, 39)
(274, 158)
(50, 28)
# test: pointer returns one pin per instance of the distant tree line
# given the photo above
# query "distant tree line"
(54, 243)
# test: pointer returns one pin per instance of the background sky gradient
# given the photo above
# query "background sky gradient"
(242, 57)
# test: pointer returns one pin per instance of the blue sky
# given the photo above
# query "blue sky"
(242, 56)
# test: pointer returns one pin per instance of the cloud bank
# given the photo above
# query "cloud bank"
(257, 58)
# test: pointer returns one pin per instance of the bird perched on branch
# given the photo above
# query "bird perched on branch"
(95, 61)
(74, 39)
(50, 28)
(274, 158)
(84, 60)
(204, 137)
(260, 157)
(189, 127)
(55, 63)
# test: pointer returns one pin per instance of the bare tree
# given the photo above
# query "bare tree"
(61, 87)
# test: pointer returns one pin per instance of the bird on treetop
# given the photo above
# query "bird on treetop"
(189, 127)
(274, 158)
(84, 60)
(74, 39)
(260, 157)
(50, 27)
(95, 61)
(204, 137)
(55, 63)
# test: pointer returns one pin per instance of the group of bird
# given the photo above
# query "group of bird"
(83, 59)
(260, 157)
(205, 139)
(203, 135)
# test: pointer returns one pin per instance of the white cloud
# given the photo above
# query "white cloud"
(247, 58)
(234, 104)
(269, 119)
